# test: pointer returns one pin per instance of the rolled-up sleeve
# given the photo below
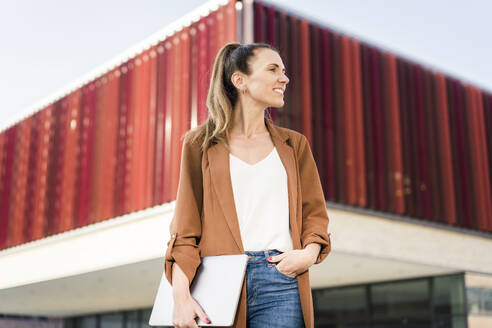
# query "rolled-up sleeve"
(185, 228)
(314, 214)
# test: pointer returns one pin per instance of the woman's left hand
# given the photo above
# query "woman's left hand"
(296, 261)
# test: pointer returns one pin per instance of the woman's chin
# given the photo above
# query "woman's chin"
(277, 103)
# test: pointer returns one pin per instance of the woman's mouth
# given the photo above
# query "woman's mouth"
(279, 91)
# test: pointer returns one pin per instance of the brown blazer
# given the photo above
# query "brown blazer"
(205, 222)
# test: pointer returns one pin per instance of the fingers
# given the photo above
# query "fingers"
(199, 311)
(189, 324)
(276, 258)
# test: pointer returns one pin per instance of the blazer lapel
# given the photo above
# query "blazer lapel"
(218, 158)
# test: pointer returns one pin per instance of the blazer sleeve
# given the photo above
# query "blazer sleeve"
(185, 227)
(314, 214)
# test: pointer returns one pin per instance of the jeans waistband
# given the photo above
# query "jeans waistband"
(262, 254)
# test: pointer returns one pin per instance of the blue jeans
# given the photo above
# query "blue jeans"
(272, 296)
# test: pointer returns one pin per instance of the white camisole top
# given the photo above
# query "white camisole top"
(262, 202)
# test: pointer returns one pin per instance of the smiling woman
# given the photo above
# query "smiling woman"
(242, 181)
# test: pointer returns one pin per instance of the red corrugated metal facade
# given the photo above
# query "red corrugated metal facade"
(112, 146)
(387, 134)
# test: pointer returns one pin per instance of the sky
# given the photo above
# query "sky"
(48, 45)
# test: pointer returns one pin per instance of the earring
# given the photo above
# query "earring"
(243, 91)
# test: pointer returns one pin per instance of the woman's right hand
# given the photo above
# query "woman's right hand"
(186, 309)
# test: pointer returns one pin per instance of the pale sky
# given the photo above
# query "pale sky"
(47, 45)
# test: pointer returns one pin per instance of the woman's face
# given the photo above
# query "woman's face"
(267, 82)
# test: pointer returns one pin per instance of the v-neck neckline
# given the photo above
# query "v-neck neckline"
(255, 164)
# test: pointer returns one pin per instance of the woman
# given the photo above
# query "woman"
(248, 186)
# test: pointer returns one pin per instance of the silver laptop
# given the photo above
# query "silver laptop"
(216, 287)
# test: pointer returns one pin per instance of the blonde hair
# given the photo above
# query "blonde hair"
(222, 94)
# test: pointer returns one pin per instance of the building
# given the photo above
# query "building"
(87, 181)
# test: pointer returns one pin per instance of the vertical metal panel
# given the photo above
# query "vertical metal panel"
(60, 146)
(359, 155)
(316, 95)
(395, 170)
(282, 116)
(174, 111)
(328, 177)
(377, 122)
(55, 164)
(126, 197)
(338, 119)
(221, 25)
(385, 132)
(431, 125)
(230, 20)
(2, 162)
(109, 144)
(26, 154)
(86, 142)
(182, 118)
(212, 41)
(104, 134)
(185, 81)
(487, 136)
(121, 151)
(461, 157)
(248, 21)
(272, 39)
(295, 117)
(194, 53)
(259, 25)
(13, 189)
(16, 223)
(403, 84)
(145, 141)
(413, 161)
(368, 127)
(134, 135)
(168, 159)
(39, 215)
(487, 111)
(7, 185)
(423, 144)
(140, 140)
(445, 156)
(31, 189)
(96, 177)
(270, 25)
(305, 80)
(152, 130)
(72, 126)
(160, 124)
(348, 122)
(478, 153)
(239, 11)
(415, 174)
(485, 173)
(203, 73)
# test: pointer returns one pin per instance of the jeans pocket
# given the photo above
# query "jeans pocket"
(283, 274)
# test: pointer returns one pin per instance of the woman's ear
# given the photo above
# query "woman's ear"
(237, 80)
